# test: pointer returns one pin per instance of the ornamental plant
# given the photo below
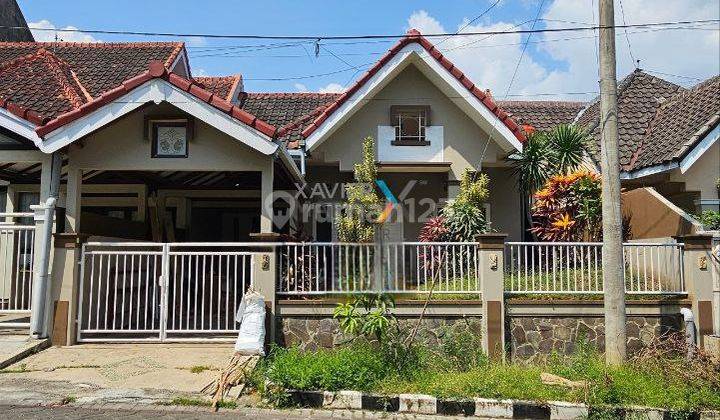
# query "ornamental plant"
(463, 218)
(568, 208)
(355, 223)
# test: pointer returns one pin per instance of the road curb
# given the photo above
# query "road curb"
(484, 407)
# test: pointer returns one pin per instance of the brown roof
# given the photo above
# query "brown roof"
(640, 95)
(99, 67)
(542, 115)
(291, 112)
(42, 83)
(680, 123)
(223, 86)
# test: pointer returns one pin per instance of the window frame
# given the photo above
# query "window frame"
(421, 140)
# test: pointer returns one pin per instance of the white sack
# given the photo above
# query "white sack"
(251, 316)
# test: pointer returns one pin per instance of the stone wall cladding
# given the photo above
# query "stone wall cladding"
(532, 337)
(311, 333)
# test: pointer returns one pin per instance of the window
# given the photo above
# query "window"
(410, 123)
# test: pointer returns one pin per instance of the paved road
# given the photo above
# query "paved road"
(101, 413)
(69, 412)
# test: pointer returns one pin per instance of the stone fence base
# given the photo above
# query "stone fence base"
(540, 328)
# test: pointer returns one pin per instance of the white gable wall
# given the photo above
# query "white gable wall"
(121, 146)
(463, 139)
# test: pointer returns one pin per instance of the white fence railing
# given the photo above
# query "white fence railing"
(576, 268)
(17, 252)
(161, 292)
(408, 267)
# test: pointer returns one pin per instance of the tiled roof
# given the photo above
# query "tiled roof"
(158, 70)
(40, 81)
(292, 112)
(222, 86)
(38, 86)
(414, 36)
(542, 115)
(680, 123)
(639, 97)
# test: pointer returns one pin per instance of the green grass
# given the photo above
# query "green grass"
(199, 369)
(448, 373)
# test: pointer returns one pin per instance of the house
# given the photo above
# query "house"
(135, 148)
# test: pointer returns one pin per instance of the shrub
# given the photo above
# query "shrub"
(358, 367)
(710, 219)
(363, 204)
(463, 218)
(568, 208)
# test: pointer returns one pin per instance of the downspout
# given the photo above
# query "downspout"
(38, 316)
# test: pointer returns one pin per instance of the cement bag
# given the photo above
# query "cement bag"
(251, 316)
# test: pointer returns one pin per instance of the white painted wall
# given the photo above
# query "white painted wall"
(703, 174)
(463, 140)
(426, 153)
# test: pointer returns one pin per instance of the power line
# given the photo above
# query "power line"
(522, 53)
(367, 36)
(470, 22)
(636, 63)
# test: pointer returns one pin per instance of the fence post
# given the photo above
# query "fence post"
(265, 271)
(491, 249)
(64, 287)
(697, 268)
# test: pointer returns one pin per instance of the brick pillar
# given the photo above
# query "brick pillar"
(698, 266)
(491, 252)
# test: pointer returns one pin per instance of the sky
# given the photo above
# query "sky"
(554, 66)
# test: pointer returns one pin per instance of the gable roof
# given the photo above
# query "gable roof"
(640, 95)
(225, 87)
(680, 123)
(413, 36)
(53, 84)
(157, 70)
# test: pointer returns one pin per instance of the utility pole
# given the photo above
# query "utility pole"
(612, 252)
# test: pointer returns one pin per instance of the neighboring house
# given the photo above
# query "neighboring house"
(668, 138)
(13, 26)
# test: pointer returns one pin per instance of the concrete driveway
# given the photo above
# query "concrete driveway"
(184, 368)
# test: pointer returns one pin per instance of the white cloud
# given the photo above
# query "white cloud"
(330, 88)
(49, 36)
(571, 65)
(200, 72)
(196, 41)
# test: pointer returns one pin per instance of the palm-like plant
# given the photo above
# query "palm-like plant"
(558, 151)
(568, 144)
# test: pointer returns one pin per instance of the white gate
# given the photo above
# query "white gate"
(134, 291)
(17, 252)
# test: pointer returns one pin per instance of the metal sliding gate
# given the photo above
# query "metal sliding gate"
(134, 291)
(17, 255)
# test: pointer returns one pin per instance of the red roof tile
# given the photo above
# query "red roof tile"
(223, 86)
(157, 70)
(414, 36)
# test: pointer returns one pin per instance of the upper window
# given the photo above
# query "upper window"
(410, 123)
